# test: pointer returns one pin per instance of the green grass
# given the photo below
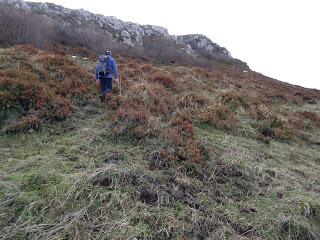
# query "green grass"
(73, 180)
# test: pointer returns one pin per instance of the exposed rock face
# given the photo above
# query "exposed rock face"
(201, 42)
(129, 33)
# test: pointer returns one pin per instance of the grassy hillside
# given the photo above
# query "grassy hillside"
(181, 153)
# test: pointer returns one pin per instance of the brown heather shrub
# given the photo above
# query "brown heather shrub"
(84, 52)
(232, 99)
(63, 67)
(132, 64)
(260, 112)
(67, 77)
(133, 119)
(266, 132)
(185, 115)
(189, 152)
(56, 49)
(285, 133)
(27, 49)
(184, 127)
(192, 101)
(134, 74)
(202, 72)
(155, 97)
(219, 116)
(312, 116)
(24, 124)
(53, 63)
(55, 108)
(23, 89)
(179, 143)
(165, 79)
(140, 110)
(32, 99)
(197, 71)
(146, 68)
(273, 125)
(137, 72)
(113, 101)
(74, 88)
(300, 98)
(6, 99)
(172, 136)
(263, 113)
(297, 123)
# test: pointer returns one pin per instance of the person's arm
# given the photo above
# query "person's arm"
(97, 73)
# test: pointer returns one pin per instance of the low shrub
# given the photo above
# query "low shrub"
(232, 99)
(179, 144)
(24, 124)
(312, 116)
(165, 79)
(274, 125)
(42, 88)
(133, 120)
(192, 101)
(146, 68)
(74, 88)
(219, 116)
(113, 101)
(155, 97)
(54, 108)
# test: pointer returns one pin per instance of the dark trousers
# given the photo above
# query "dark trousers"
(105, 85)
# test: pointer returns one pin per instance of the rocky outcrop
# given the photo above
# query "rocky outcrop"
(132, 34)
(201, 42)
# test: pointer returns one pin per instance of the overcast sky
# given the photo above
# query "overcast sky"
(279, 38)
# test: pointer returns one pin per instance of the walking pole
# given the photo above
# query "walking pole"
(120, 82)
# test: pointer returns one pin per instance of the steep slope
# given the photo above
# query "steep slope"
(183, 153)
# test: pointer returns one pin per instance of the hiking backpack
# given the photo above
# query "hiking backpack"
(104, 65)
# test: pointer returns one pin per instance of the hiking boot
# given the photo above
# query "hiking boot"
(102, 98)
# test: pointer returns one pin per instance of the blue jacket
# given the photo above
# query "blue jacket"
(114, 69)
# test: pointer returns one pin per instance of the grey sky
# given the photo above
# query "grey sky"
(279, 38)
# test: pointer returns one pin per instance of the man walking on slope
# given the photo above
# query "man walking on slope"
(105, 69)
